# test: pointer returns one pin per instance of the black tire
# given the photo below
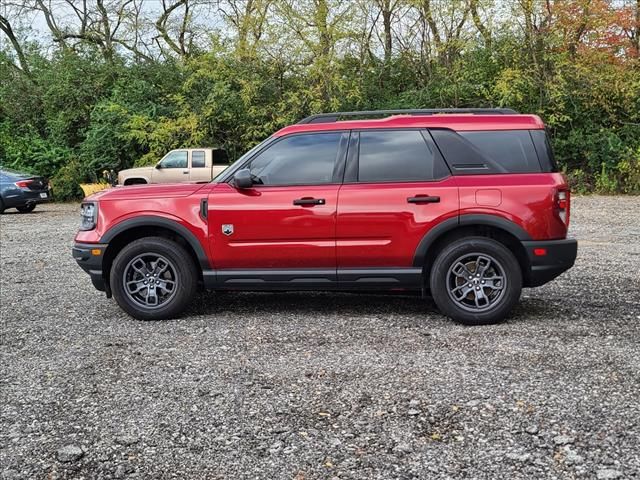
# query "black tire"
(181, 271)
(1, 206)
(27, 208)
(470, 299)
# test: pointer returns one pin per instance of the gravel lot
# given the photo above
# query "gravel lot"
(306, 386)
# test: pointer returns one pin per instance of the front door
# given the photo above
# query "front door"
(173, 168)
(396, 189)
(282, 230)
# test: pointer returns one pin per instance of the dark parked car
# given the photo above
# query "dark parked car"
(22, 191)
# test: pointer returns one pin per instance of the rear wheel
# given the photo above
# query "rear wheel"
(27, 208)
(153, 278)
(476, 281)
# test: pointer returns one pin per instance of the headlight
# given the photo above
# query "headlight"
(88, 216)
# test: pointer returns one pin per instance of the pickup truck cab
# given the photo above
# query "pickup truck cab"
(178, 166)
(467, 206)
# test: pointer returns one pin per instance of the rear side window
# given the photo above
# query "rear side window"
(398, 156)
(488, 152)
(197, 159)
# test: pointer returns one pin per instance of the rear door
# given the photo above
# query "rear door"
(200, 165)
(287, 220)
(397, 187)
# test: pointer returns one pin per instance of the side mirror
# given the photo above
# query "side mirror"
(158, 166)
(242, 178)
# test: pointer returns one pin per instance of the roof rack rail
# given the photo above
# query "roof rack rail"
(333, 117)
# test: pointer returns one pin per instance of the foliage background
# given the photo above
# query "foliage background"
(88, 86)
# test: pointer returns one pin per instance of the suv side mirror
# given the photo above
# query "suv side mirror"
(158, 165)
(242, 178)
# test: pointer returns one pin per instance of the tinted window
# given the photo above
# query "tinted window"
(544, 151)
(387, 156)
(175, 160)
(297, 160)
(512, 149)
(197, 159)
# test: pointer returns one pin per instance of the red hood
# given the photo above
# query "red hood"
(132, 192)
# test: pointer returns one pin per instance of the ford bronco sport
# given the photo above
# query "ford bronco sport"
(465, 205)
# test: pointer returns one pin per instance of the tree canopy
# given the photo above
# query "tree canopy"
(103, 84)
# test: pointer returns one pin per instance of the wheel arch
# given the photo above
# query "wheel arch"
(135, 181)
(149, 226)
(500, 229)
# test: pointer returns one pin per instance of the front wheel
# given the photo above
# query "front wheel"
(27, 208)
(476, 281)
(153, 278)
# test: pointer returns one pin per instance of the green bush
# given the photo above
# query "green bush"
(66, 183)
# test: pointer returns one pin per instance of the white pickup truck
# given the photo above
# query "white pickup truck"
(181, 165)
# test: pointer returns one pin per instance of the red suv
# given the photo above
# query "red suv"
(466, 205)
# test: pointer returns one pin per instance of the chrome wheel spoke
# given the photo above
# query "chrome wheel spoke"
(494, 283)
(152, 298)
(482, 264)
(481, 300)
(461, 270)
(166, 285)
(462, 291)
(135, 286)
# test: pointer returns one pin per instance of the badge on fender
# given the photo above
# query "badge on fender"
(227, 229)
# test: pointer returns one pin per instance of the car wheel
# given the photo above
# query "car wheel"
(153, 278)
(27, 208)
(476, 281)
(1, 206)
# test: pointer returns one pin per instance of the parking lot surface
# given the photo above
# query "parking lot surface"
(305, 386)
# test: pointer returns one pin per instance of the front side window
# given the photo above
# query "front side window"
(197, 159)
(398, 156)
(306, 159)
(177, 159)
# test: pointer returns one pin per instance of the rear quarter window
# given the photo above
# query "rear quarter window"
(488, 151)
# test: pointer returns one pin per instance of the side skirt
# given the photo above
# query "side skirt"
(314, 279)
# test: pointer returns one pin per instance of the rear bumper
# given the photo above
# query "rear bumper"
(559, 256)
(21, 198)
(85, 255)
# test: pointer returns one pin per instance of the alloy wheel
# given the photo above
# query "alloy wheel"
(476, 282)
(150, 280)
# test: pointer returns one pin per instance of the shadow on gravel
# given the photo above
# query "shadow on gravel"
(310, 303)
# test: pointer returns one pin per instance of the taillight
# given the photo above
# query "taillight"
(562, 204)
(23, 183)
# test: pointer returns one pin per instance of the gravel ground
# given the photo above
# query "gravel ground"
(306, 386)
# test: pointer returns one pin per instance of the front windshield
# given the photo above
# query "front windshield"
(217, 178)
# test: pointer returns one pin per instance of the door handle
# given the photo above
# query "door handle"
(423, 199)
(309, 201)
(186, 172)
